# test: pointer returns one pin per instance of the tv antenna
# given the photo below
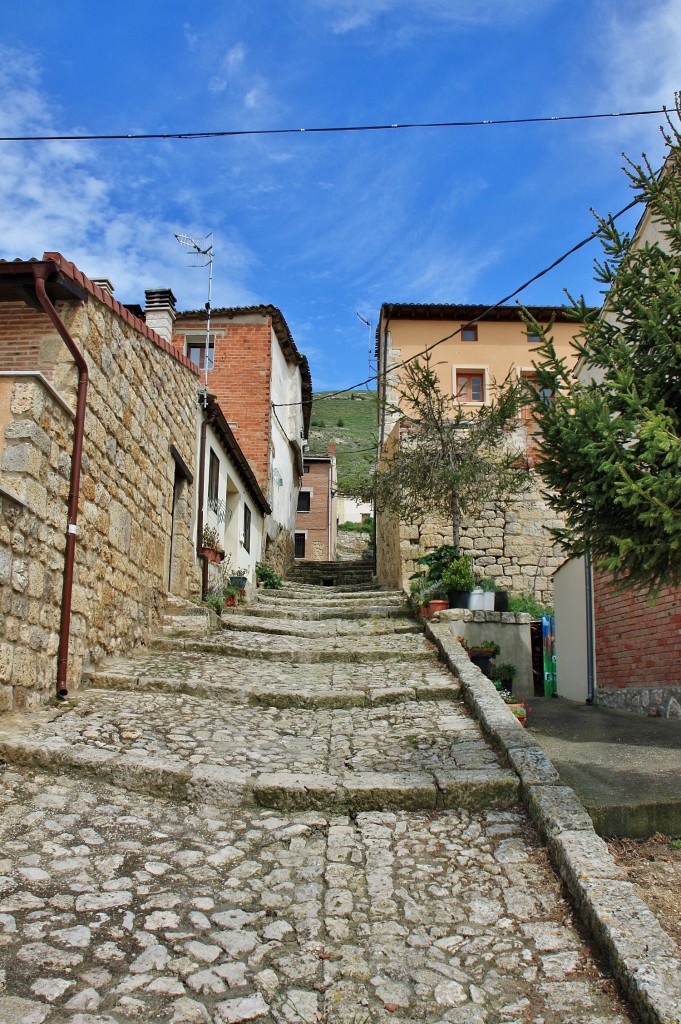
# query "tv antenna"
(201, 250)
(360, 316)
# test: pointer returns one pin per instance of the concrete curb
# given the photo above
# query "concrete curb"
(643, 958)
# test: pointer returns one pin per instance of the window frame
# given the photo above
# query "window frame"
(247, 528)
(299, 535)
(308, 492)
(196, 341)
(469, 329)
(470, 372)
(213, 492)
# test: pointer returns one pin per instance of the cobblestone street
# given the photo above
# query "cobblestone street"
(294, 819)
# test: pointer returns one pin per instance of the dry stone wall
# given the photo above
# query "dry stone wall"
(141, 400)
(511, 545)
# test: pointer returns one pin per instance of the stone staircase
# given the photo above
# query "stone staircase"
(313, 698)
(351, 575)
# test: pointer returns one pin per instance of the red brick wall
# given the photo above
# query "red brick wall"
(241, 381)
(316, 521)
(637, 644)
(22, 333)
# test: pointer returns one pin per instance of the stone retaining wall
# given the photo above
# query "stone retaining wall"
(510, 545)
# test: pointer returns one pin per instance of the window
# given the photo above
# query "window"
(299, 539)
(304, 501)
(546, 394)
(195, 350)
(247, 528)
(533, 339)
(306, 469)
(213, 478)
(470, 385)
(469, 333)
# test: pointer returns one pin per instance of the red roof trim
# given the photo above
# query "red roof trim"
(71, 271)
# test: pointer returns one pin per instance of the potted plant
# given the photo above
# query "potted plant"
(502, 675)
(458, 581)
(230, 596)
(482, 654)
(239, 579)
(418, 585)
(434, 599)
(210, 545)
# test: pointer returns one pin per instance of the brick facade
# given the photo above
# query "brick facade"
(318, 525)
(638, 647)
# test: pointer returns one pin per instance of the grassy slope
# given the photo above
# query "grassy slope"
(349, 421)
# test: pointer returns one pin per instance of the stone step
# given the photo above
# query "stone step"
(322, 613)
(244, 622)
(353, 650)
(310, 696)
(222, 786)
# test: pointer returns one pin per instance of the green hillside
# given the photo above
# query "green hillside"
(350, 421)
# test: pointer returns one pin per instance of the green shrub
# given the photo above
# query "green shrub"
(528, 603)
(439, 559)
(270, 579)
(459, 575)
(215, 602)
(503, 673)
(364, 527)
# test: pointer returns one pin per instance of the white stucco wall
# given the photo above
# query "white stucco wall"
(287, 425)
(233, 492)
(571, 634)
(351, 510)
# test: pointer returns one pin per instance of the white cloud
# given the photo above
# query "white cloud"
(348, 15)
(99, 212)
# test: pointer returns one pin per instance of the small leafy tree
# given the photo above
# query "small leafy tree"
(450, 462)
(610, 441)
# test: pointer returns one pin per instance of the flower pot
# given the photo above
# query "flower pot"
(488, 600)
(211, 554)
(501, 601)
(458, 598)
(238, 581)
(476, 599)
(436, 606)
(230, 601)
(520, 712)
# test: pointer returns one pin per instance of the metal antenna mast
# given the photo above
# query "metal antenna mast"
(202, 250)
(367, 323)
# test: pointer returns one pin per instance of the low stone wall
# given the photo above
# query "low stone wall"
(655, 701)
(511, 630)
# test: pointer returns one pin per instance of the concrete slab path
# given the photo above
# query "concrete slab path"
(213, 834)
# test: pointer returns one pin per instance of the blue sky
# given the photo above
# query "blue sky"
(324, 226)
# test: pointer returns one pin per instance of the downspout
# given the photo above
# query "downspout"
(590, 642)
(199, 512)
(40, 274)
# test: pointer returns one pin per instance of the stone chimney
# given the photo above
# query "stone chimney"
(159, 311)
(104, 283)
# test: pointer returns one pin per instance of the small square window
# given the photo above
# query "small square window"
(533, 339)
(306, 469)
(303, 501)
(195, 346)
(469, 333)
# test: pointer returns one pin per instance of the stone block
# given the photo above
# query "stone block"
(6, 661)
(21, 458)
(24, 668)
(29, 431)
(28, 397)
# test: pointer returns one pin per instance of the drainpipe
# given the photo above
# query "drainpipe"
(40, 274)
(199, 513)
(590, 642)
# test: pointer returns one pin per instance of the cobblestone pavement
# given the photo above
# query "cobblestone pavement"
(122, 906)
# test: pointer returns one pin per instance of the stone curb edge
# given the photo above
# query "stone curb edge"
(642, 956)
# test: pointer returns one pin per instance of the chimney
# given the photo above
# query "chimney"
(332, 450)
(104, 283)
(159, 311)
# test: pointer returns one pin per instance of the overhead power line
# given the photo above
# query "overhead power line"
(328, 130)
(481, 316)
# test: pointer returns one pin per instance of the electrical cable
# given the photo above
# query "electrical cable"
(481, 316)
(236, 133)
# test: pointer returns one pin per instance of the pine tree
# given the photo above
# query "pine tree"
(610, 442)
